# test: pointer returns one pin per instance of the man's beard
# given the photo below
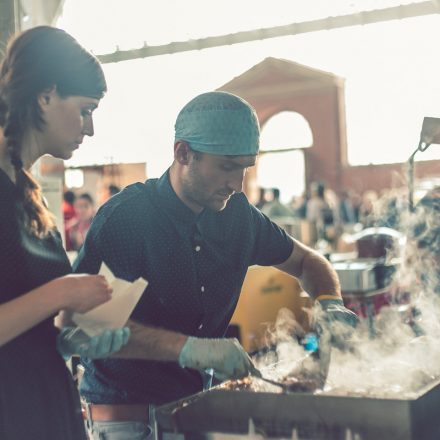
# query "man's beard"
(192, 188)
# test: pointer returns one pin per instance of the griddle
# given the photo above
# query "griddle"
(311, 416)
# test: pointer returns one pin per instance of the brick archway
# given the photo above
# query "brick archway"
(277, 85)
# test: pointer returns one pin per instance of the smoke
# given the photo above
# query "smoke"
(398, 354)
(284, 350)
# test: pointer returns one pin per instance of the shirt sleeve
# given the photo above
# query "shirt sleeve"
(272, 244)
(112, 239)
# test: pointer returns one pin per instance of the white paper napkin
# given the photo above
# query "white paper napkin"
(115, 312)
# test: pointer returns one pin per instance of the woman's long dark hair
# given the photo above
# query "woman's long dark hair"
(35, 61)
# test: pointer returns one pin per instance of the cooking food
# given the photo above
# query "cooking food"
(290, 384)
(239, 384)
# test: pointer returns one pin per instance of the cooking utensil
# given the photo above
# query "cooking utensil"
(311, 373)
(273, 382)
(259, 376)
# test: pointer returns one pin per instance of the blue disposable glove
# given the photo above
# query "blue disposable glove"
(226, 356)
(339, 320)
(72, 340)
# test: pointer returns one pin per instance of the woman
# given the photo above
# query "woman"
(49, 87)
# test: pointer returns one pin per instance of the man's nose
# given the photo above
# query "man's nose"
(88, 127)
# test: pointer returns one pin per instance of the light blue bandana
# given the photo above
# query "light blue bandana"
(219, 123)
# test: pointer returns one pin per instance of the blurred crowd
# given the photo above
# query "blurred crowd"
(78, 211)
(329, 214)
(332, 214)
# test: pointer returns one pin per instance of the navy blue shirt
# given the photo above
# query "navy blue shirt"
(195, 265)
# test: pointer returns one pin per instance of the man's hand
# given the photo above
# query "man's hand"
(339, 320)
(226, 356)
(336, 311)
(72, 340)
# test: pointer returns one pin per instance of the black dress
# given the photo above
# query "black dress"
(38, 399)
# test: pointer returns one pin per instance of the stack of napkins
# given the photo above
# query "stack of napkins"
(115, 312)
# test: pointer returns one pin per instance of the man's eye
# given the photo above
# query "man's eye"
(87, 112)
(226, 168)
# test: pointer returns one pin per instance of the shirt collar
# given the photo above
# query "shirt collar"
(181, 215)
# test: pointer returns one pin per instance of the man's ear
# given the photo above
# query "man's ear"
(182, 152)
(46, 96)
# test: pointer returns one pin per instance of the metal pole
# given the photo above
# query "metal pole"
(354, 19)
(8, 24)
(411, 181)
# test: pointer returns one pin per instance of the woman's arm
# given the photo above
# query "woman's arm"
(26, 311)
(78, 293)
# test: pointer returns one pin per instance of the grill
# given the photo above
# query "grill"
(304, 415)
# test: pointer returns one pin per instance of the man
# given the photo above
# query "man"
(276, 209)
(192, 234)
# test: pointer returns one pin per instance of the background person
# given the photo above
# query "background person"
(107, 192)
(367, 211)
(69, 215)
(261, 198)
(276, 209)
(320, 213)
(348, 210)
(113, 189)
(68, 208)
(84, 212)
(49, 87)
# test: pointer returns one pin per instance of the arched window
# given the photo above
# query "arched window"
(281, 162)
(286, 131)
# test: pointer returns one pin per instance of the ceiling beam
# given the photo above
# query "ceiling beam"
(360, 18)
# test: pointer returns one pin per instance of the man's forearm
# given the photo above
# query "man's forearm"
(314, 272)
(318, 276)
(152, 343)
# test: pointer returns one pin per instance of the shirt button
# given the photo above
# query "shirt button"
(200, 326)
(198, 248)
(202, 288)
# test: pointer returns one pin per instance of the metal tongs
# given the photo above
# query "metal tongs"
(313, 369)
(257, 374)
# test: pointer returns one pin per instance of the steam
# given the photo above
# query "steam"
(403, 357)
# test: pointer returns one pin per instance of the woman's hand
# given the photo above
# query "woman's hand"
(80, 292)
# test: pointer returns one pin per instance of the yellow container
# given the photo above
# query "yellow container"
(265, 291)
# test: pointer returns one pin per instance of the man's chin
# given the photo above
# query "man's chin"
(217, 205)
(63, 155)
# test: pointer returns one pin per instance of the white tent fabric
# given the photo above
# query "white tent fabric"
(391, 73)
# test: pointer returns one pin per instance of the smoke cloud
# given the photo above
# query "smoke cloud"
(402, 355)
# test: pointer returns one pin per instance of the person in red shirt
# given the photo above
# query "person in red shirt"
(84, 212)
(69, 215)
